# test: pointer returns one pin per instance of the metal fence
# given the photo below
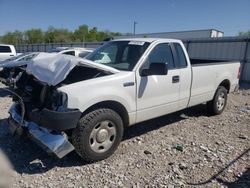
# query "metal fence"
(21, 48)
(225, 48)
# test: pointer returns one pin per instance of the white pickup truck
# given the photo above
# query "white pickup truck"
(7, 51)
(69, 103)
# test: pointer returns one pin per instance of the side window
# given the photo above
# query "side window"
(182, 62)
(5, 49)
(162, 53)
(70, 53)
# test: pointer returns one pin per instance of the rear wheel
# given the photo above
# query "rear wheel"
(218, 104)
(98, 134)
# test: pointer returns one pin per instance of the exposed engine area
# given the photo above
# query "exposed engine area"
(37, 95)
(9, 75)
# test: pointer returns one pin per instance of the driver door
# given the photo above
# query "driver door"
(158, 95)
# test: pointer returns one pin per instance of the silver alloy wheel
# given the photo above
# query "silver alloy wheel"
(103, 136)
(221, 101)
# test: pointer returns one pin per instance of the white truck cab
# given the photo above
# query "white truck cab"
(7, 51)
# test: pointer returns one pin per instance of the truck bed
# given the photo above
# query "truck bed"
(200, 62)
(207, 76)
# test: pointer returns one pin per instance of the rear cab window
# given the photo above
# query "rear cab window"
(5, 49)
(70, 53)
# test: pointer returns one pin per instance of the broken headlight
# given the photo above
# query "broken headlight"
(59, 100)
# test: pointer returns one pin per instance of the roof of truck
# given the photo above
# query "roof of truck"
(6, 45)
(150, 40)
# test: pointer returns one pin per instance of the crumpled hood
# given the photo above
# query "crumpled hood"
(53, 68)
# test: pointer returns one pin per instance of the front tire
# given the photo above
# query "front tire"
(218, 104)
(98, 134)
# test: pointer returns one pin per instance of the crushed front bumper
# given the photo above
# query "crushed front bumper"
(56, 143)
(53, 120)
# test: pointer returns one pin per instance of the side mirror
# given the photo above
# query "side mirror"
(155, 69)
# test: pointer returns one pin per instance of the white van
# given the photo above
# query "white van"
(7, 51)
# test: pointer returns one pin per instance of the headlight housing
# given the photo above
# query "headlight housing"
(59, 101)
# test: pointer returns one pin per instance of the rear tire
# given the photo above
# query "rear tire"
(98, 134)
(218, 104)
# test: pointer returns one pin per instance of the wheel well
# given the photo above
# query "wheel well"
(226, 84)
(116, 106)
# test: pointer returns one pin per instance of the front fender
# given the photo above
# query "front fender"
(85, 94)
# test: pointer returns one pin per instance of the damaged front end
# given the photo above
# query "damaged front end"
(40, 109)
(9, 75)
(53, 142)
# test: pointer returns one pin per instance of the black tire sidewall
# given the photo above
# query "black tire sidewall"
(216, 97)
(101, 115)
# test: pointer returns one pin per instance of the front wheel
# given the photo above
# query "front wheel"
(98, 134)
(218, 104)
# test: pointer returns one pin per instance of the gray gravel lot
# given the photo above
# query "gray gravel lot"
(184, 149)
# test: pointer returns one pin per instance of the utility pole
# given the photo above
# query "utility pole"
(83, 39)
(135, 26)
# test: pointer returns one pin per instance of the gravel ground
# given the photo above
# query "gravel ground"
(184, 149)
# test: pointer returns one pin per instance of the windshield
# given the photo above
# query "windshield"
(17, 57)
(121, 55)
(23, 57)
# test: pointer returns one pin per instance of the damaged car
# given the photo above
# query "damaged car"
(11, 69)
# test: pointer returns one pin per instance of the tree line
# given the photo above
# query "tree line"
(244, 33)
(54, 35)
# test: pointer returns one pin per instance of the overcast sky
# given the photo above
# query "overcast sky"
(229, 16)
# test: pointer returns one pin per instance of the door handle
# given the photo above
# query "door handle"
(175, 79)
(128, 84)
(12, 55)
